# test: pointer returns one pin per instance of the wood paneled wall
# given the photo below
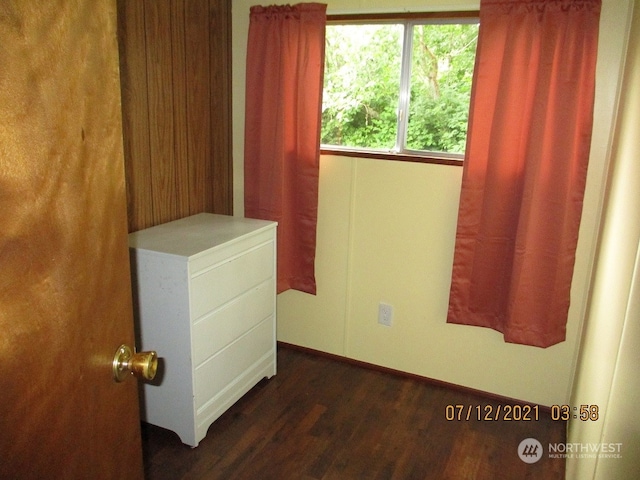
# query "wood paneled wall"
(175, 69)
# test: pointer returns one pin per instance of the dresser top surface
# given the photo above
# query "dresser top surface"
(191, 235)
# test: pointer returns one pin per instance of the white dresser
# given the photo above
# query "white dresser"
(204, 299)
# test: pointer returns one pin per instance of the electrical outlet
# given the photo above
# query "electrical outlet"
(385, 314)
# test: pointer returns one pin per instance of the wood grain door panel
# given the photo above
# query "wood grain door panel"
(65, 296)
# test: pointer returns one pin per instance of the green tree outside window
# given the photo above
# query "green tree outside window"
(363, 86)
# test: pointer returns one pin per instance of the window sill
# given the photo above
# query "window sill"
(400, 157)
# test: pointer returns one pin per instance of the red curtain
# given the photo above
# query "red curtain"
(525, 170)
(285, 62)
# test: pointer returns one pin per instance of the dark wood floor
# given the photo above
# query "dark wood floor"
(324, 419)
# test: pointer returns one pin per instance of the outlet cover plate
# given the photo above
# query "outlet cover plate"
(385, 314)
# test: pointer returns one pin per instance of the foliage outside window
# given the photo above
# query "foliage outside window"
(376, 72)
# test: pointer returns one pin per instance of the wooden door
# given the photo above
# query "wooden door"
(65, 297)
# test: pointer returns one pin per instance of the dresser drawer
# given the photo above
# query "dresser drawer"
(221, 253)
(218, 329)
(218, 373)
(223, 282)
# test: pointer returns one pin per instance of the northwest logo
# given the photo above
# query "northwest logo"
(530, 450)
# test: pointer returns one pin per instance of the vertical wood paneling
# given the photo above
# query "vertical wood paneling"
(199, 113)
(181, 126)
(133, 59)
(220, 37)
(176, 82)
(220, 14)
(160, 91)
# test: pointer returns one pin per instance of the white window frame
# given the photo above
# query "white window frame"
(399, 151)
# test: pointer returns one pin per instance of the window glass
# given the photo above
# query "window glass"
(362, 85)
(376, 72)
(442, 60)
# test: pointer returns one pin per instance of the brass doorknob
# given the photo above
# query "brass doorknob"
(142, 365)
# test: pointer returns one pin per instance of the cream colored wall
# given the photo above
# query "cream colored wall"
(385, 234)
(607, 374)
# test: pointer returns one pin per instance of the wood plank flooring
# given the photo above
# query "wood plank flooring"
(319, 418)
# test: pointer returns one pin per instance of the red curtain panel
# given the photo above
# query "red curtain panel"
(525, 169)
(285, 63)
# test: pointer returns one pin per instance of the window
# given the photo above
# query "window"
(400, 86)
